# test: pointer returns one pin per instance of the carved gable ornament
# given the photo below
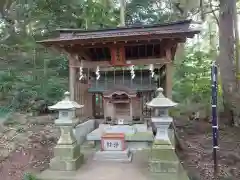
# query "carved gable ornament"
(118, 92)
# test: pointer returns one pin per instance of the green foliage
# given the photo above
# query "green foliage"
(150, 12)
(26, 94)
(28, 176)
(33, 80)
(42, 17)
(192, 77)
(33, 77)
(192, 82)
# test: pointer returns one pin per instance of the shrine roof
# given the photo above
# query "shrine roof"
(179, 28)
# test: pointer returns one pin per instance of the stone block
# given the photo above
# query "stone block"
(126, 129)
(59, 164)
(157, 166)
(141, 127)
(115, 156)
(137, 145)
(57, 175)
(95, 135)
(83, 129)
(162, 142)
(163, 153)
(140, 136)
(67, 151)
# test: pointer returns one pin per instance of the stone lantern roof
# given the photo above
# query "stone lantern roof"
(160, 101)
(66, 104)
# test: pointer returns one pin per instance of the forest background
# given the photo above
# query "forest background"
(32, 76)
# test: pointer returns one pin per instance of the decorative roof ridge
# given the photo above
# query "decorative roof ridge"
(174, 28)
(181, 22)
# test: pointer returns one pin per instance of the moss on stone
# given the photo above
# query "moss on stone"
(163, 152)
(139, 136)
(162, 142)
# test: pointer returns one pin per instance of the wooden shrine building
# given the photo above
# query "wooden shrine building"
(114, 72)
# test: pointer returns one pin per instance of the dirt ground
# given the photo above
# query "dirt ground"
(196, 142)
(28, 147)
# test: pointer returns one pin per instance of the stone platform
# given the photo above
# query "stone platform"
(97, 170)
(117, 156)
(141, 138)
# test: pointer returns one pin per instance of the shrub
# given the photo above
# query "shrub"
(28, 176)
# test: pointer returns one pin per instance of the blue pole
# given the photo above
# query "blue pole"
(214, 75)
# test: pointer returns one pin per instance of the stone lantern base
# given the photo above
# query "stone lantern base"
(163, 159)
(67, 155)
(67, 158)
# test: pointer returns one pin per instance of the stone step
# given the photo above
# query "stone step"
(122, 160)
(157, 166)
(110, 157)
(119, 156)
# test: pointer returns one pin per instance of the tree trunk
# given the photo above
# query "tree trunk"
(179, 55)
(122, 13)
(235, 20)
(226, 59)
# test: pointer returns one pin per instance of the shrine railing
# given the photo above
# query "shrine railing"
(137, 84)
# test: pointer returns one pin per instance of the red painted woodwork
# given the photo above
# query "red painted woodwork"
(118, 56)
(113, 136)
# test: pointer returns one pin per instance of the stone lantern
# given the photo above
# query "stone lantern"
(67, 156)
(163, 157)
(161, 119)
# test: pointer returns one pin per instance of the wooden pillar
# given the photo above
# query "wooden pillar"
(169, 79)
(131, 108)
(169, 71)
(72, 78)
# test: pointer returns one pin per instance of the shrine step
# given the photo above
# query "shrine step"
(117, 156)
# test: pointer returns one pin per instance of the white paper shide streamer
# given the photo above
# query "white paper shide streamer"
(132, 72)
(97, 73)
(81, 73)
(151, 69)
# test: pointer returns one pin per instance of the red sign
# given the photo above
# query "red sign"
(118, 56)
(113, 141)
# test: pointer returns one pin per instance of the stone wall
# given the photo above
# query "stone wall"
(83, 129)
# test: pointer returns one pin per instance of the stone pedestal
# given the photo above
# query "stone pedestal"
(67, 152)
(163, 158)
(162, 124)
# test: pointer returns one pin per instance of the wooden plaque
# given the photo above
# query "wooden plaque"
(118, 56)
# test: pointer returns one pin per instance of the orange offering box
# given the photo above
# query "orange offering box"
(113, 142)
